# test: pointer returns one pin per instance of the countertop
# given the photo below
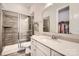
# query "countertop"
(62, 46)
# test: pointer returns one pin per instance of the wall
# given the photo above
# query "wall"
(52, 13)
(10, 28)
(16, 7)
(74, 18)
(40, 12)
(63, 15)
(37, 9)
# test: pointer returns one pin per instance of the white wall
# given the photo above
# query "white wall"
(74, 18)
(52, 13)
(63, 15)
(16, 7)
(38, 16)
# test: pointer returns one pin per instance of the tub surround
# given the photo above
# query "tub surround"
(61, 46)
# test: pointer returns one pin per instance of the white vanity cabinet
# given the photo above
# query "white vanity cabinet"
(43, 46)
(39, 49)
(39, 52)
(33, 47)
(45, 50)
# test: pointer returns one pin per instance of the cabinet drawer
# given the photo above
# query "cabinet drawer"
(43, 48)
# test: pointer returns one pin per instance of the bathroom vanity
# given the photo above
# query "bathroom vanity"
(46, 46)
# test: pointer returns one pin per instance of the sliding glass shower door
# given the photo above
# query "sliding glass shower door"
(15, 28)
(23, 27)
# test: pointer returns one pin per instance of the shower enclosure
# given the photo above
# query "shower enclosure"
(15, 28)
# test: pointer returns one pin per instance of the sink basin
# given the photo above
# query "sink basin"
(44, 37)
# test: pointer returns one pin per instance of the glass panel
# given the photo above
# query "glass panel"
(23, 28)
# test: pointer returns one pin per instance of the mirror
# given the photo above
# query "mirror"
(36, 27)
(46, 24)
(63, 20)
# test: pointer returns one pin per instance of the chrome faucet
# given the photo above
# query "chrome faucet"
(54, 37)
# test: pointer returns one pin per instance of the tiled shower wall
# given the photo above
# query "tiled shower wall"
(15, 26)
(10, 28)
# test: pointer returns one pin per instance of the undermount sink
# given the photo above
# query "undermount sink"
(44, 37)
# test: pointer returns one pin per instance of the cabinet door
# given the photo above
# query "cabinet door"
(33, 47)
(57, 54)
(39, 52)
(33, 50)
(52, 52)
(43, 48)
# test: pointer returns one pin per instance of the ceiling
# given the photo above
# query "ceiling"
(29, 5)
(26, 6)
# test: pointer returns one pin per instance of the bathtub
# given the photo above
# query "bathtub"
(14, 48)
